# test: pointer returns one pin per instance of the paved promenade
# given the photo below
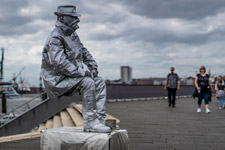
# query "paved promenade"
(154, 125)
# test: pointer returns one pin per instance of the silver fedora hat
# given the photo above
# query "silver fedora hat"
(67, 10)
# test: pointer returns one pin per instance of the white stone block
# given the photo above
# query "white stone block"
(73, 138)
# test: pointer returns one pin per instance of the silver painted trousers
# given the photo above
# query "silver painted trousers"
(93, 101)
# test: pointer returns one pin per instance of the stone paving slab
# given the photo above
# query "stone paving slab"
(154, 125)
(28, 144)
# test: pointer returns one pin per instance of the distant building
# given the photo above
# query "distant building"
(187, 81)
(143, 81)
(159, 81)
(126, 74)
(190, 81)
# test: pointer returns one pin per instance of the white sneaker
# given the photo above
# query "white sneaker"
(207, 111)
(220, 107)
(198, 110)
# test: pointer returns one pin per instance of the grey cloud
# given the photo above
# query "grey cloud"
(13, 23)
(156, 9)
(9, 15)
(158, 36)
(184, 9)
(9, 7)
(104, 37)
(136, 37)
(12, 30)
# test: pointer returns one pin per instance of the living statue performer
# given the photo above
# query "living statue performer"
(63, 72)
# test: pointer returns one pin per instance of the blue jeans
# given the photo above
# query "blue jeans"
(203, 95)
(221, 101)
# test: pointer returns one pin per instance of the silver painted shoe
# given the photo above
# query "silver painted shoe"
(98, 128)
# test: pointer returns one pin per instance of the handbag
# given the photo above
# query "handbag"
(195, 93)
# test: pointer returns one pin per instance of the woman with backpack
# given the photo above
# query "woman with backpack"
(204, 87)
(220, 93)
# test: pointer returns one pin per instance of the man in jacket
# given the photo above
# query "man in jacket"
(172, 85)
(63, 72)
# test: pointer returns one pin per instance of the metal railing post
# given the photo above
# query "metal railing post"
(4, 103)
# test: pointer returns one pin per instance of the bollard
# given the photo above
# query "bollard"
(4, 105)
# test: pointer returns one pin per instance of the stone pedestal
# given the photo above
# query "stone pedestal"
(73, 138)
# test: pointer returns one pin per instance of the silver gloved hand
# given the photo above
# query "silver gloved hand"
(94, 73)
(88, 74)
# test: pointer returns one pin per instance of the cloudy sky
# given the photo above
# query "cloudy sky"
(148, 35)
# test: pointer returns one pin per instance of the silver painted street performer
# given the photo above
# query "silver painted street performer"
(63, 73)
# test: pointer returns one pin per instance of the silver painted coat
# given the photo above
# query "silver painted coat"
(62, 60)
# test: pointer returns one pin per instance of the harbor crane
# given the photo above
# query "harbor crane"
(16, 76)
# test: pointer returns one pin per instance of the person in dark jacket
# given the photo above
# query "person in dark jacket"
(63, 73)
(172, 85)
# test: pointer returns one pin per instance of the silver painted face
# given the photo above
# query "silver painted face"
(71, 21)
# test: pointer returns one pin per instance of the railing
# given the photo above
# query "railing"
(43, 96)
(29, 119)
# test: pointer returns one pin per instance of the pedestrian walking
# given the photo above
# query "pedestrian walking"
(172, 85)
(217, 81)
(220, 94)
(204, 87)
(223, 80)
